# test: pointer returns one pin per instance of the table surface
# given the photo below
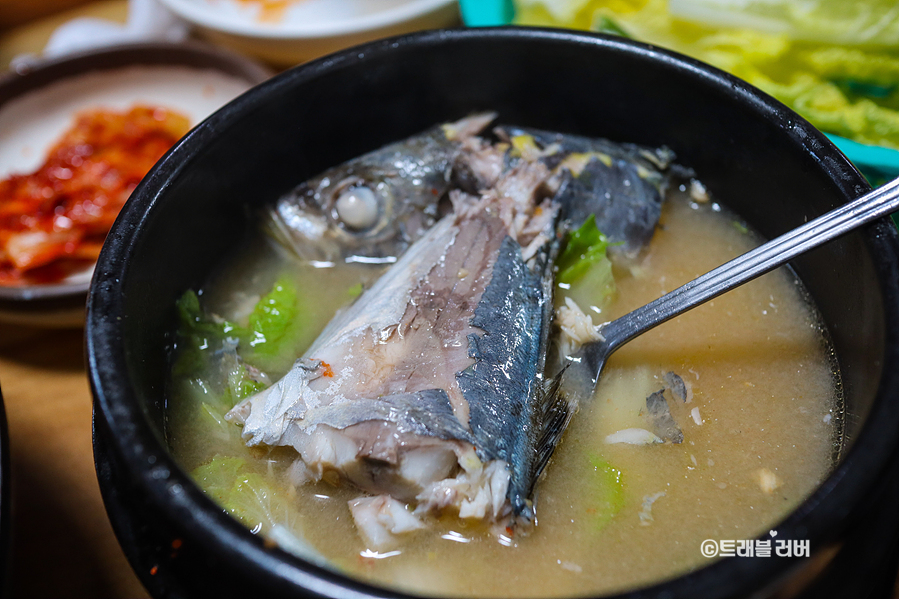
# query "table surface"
(63, 544)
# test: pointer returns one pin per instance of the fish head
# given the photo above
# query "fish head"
(373, 206)
(366, 211)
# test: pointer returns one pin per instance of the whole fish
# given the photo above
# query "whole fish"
(373, 206)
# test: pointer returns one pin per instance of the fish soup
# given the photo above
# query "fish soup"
(712, 426)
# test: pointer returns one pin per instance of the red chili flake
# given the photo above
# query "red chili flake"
(176, 544)
(327, 371)
(154, 570)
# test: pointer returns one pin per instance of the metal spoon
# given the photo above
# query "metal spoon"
(871, 206)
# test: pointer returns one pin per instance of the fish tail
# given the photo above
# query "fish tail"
(553, 408)
(550, 421)
(555, 414)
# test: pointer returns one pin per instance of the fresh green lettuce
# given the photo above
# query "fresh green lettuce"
(274, 321)
(848, 90)
(274, 328)
(242, 492)
(584, 249)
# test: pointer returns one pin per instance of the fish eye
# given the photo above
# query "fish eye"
(357, 208)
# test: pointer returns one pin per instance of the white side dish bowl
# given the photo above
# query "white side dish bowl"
(298, 30)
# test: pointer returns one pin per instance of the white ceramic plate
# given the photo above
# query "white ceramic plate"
(305, 29)
(37, 107)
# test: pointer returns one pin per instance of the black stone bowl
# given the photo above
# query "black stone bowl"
(192, 210)
(5, 496)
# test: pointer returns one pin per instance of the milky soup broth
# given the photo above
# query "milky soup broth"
(761, 431)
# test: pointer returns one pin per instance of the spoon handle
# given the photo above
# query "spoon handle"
(873, 205)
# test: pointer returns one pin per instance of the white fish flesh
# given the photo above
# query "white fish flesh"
(430, 388)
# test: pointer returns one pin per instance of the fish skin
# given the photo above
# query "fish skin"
(630, 212)
(515, 313)
(658, 159)
(408, 178)
(425, 413)
(621, 185)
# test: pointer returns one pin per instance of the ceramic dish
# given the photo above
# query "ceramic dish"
(295, 31)
(773, 168)
(38, 104)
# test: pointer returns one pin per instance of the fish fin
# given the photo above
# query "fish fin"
(663, 422)
(468, 126)
(267, 415)
(678, 386)
(556, 410)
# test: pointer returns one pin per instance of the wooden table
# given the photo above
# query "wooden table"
(33, 37)
(63, 545)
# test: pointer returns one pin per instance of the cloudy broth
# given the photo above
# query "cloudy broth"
(760, 433)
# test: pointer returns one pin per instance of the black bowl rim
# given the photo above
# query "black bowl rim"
(150, 461)
(34, 76)
(5, 494)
